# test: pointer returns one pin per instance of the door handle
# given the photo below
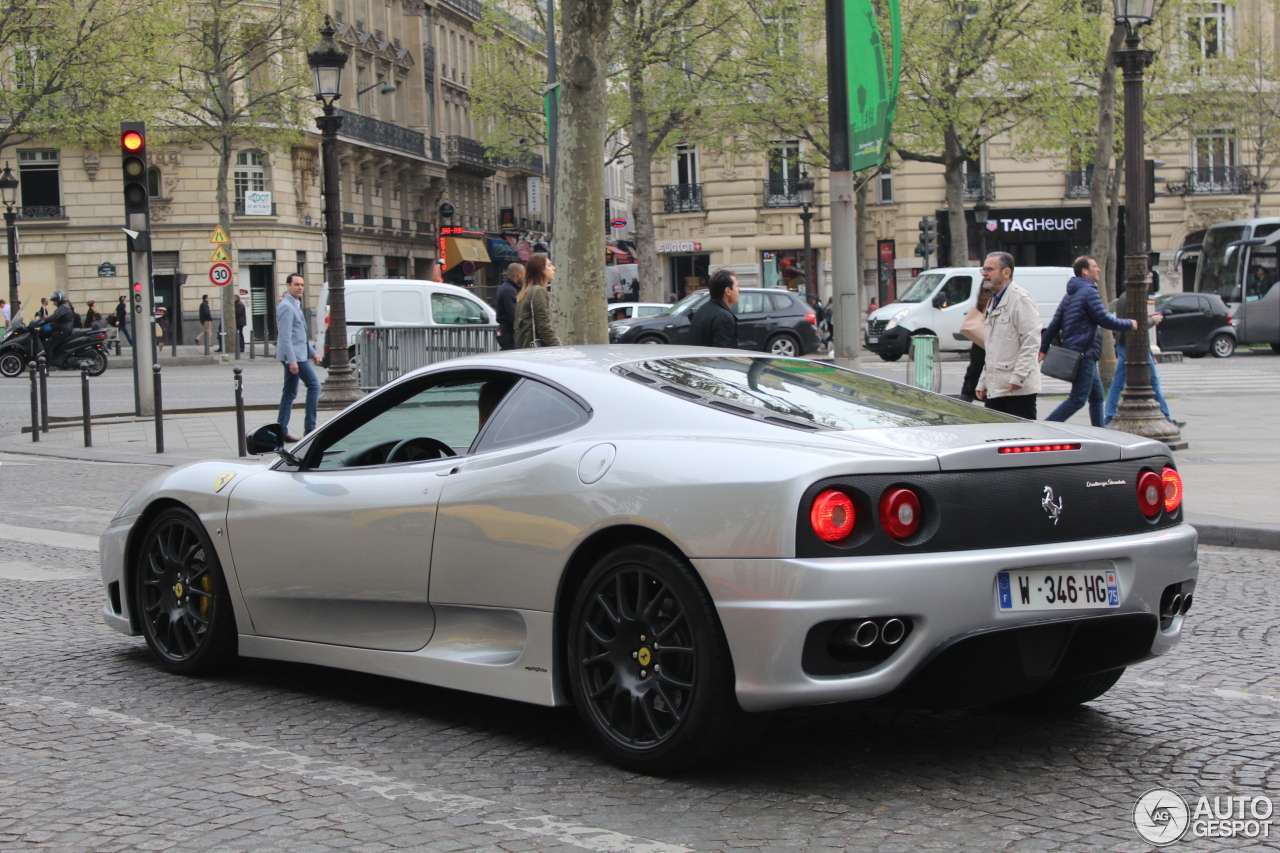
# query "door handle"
(452, 470)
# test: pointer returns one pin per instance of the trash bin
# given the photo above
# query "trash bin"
(923, 368)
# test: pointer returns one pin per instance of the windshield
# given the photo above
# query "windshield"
(819, 393)
(688, 303)
(1214, 276)
(922, 288)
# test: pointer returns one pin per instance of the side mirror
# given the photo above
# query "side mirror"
(265, 439)
(939, 301)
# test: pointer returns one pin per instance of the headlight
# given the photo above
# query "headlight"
(896, 317)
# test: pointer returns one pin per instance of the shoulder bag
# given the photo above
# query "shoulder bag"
(1061, 363)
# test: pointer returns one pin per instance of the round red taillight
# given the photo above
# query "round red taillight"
(1150, 493)
(832, 516)
(900, 513)
(1172, 489)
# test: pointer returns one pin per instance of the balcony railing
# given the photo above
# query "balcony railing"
(979, 186)
(470, 7)
(781, 192)
(1078, 181)
(384, 133)
(436, 153)
(240, 208)
(1219, 180)
(467, 155)
(682, 198)
(525, 162)
(41, 212)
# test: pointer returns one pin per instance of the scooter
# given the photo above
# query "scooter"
(84, 350)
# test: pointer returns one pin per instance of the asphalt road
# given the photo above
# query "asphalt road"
(100, 751)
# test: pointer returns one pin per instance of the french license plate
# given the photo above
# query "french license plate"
(1081, 586)
(872, 340)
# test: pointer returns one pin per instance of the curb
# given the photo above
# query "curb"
(1235, 536)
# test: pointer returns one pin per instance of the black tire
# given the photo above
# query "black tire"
(644, 718)
(1223, 346)
(886, 356)
(177, 563)
(1069, 694)
(783, 345)
(11, 365)
(99, 363)
(650, 339)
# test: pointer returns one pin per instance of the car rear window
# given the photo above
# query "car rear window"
(805, 394)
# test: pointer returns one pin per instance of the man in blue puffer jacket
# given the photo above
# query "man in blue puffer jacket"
(1078, 318)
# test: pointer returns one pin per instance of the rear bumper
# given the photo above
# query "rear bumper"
(961, 649)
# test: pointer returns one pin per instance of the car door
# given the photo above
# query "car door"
(676, 326)
(950, 304)
(1182, 316)
(338, 550)
(507, 515)
(753, 310)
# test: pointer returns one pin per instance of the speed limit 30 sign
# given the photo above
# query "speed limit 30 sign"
(220, 274)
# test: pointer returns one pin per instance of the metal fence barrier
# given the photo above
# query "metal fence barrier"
(924, 370)
(384, 353)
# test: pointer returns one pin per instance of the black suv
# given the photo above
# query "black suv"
(775, 321)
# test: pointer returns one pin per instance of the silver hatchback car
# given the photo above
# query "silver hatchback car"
(673, 541)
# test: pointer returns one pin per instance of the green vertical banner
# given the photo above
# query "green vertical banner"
(872, 85)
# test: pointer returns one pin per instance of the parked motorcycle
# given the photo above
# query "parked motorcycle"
(84, 350)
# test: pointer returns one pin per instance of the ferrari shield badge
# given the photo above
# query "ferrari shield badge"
(222, 480)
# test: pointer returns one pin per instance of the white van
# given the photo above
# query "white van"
(936, 302)
(402, 302)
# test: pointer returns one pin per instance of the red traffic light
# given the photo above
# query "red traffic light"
(137, 286)
(132, 140)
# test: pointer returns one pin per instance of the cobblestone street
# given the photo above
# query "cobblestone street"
(99, 751)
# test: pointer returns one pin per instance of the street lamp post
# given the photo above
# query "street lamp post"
(9, 194)
(981, 214)
(327, 61)
(804, 191)
(1138, 413)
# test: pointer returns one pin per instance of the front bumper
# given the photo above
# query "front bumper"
(112, 545)
(768, 607)
(889, 342)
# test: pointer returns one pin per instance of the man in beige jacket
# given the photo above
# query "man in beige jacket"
(1010, 380)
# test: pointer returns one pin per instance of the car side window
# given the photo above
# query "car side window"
(1183, 305)
(956, 290)
(402, 306)
(752, 302)
(778, 302)
(534, 411)
(431, 419)
(448, 309)
(651, 310)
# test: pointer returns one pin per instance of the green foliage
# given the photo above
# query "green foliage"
(74, 69)
(507, 103)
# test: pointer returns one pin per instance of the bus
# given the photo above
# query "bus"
(1238, 263)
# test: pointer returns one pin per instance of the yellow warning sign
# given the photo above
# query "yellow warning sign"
(219, 254)
(219, 236)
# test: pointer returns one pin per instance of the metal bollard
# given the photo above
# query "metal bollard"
(42, 367)
(117, 342)
(240, 444)
(239, 339)
(155, 379)
(252, 343)
(35, 402)
(208, 343)
(84, 408)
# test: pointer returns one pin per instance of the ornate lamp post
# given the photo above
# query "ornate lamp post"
(981, 215)
(9, 194)
(327, 61)
(804, 191)
(1139, 413)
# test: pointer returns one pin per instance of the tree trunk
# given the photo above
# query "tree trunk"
(578, 301)
(225, 148)
(1102, 240)
(954, 178)
(651, 289)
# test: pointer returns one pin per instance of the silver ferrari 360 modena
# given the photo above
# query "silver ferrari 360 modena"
(673, 541)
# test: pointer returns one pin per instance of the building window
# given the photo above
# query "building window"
(782, 28)
(251, 174)
(1208, 27)
(884, 185)
(153, 182)
(1213, 161)
(686, 165)
(784, 172)
(38, 176)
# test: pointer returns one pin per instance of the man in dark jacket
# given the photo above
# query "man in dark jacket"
(1078, 318)
(506, 305)
(242, 318)
(122, 321)
(714, 324)
(60, 324)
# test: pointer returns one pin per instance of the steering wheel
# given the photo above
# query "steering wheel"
(423, 444)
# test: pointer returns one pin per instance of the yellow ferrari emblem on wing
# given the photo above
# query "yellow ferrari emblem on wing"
(222, 480)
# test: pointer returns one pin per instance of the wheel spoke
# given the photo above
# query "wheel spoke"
(665, 632)
(672, 708)
(646, 712)
(620, 595)
(654, 603)
(674, 682)
(603, 602)
(610, 684)
(677, 650)
(597, 635)
(640, 584)
(595, 659)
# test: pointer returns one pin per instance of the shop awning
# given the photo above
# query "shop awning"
(619, 255)
(502, 252)
(459, 249)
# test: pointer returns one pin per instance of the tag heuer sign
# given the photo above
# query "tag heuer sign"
(257, 203)
(106, 270)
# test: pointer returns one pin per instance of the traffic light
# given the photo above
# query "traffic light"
(928, 239)
(133, 153)
(1153, 179)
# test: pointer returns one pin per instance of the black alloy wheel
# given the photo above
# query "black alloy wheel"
(180, 597)
(783, 345)
(11, 365)
(648, 663)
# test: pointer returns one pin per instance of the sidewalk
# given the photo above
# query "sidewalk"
(1230, 469)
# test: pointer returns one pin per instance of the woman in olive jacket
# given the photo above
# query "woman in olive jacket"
(533, 305)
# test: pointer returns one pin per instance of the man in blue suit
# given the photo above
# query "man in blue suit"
(293, 348)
